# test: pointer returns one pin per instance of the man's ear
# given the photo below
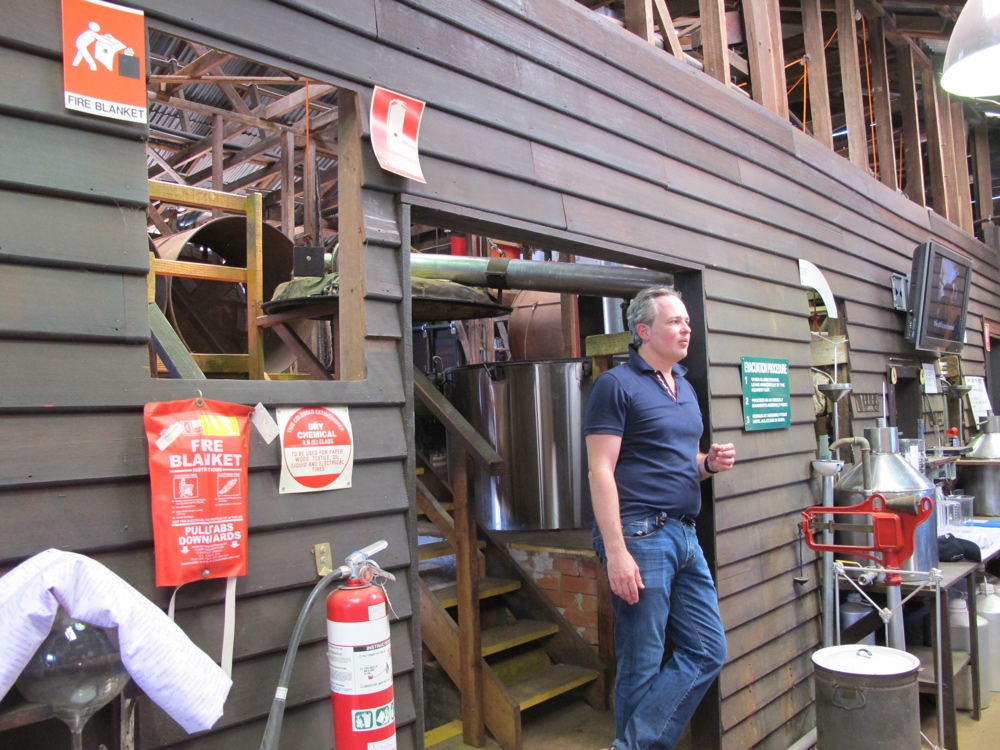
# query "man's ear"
(642, 331)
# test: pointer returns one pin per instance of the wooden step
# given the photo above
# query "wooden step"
(442, 733)
(555, 680)
(503, 637)
(448, 597)
(443, 548)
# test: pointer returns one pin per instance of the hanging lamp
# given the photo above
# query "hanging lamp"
(972, 62)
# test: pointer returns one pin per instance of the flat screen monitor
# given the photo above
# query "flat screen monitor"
(940, 282)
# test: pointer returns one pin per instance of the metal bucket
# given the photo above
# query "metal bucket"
(866, 697)
(532, 414)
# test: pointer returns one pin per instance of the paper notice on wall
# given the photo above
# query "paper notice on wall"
(930, 378)
(317, 449)
(979, 397)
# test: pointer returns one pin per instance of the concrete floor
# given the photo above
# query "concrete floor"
(573, 725)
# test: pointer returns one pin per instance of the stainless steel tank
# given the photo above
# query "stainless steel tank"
(532, 414)
(979, 471)
(891, 476)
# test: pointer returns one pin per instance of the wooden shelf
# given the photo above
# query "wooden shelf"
(927, 677)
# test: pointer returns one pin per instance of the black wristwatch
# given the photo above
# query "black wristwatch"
(707, 467)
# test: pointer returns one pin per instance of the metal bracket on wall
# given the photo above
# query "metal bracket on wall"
(321, 552)
(900, 291)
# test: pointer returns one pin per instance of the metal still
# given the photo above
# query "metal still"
(891, 476)
(532, 413)
(979, 470)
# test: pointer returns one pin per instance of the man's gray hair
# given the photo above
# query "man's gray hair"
(642, 308)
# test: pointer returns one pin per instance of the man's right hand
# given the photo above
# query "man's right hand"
(624, 577)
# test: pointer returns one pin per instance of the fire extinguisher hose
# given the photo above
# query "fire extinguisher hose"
(272, 732)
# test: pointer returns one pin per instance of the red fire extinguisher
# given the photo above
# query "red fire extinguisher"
(364, 715)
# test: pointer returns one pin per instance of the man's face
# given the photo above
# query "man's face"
(670, 334)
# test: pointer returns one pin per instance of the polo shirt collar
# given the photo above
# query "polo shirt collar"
(636, 360)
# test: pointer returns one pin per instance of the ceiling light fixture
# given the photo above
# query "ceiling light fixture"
(972, 62)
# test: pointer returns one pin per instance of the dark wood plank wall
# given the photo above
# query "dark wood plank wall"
(74, 371)
(542, 118)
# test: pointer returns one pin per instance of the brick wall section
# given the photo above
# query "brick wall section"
(569, 580)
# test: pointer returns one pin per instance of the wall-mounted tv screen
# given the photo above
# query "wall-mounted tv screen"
(940, 282)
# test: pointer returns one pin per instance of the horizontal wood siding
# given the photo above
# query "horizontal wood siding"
(75, 372)
(544, 123)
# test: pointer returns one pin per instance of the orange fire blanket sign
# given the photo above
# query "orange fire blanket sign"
(104, 59)
(198, 474)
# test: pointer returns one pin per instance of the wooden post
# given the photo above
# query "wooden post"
(960, 149)
(766, 55)
(639, 18)
(714, 39)
(288, 184)
(947, 138)
(467, 590)
(983, 172)
(670, 39)
(913, 160)
(819, 88)
(935, 149)
(351, 256)
(310, 195)
(218, 157)
(850, 73)
(885, 143)
(255, 284)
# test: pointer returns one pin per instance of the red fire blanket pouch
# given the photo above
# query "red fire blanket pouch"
(198, 473)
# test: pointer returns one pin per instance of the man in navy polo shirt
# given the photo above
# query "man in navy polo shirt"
(642, 429)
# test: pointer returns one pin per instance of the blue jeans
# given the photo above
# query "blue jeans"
(655, 699)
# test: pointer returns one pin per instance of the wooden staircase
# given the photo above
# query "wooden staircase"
(492, 630)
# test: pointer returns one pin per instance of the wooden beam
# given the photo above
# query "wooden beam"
(182, 195)
(714, 47)
(296, 99)
(960, 146)
(288, 185)
(947, 138)
(255, 284)
(177, 79)
(205, 271)
(218, 156)
(351, 257)
(913, 160)
(765, 54)
(897, 38)
(850, 74)
(467, 589)
(885, 145)
(247, 121)
(982, 171)
(201, 65)
(935, 149)
(639, 19)
(819, 88)
(666, 24)
(152, 153)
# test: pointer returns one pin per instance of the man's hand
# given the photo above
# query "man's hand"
(722, 457)
(623, 575)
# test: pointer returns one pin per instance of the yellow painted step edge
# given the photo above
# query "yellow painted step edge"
(442, 733)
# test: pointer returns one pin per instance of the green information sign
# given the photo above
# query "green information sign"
(767, 403)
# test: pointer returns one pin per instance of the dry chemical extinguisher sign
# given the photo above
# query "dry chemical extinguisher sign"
(317, 449)
(198, 474)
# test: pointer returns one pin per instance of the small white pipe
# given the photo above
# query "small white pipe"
(804, 743)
